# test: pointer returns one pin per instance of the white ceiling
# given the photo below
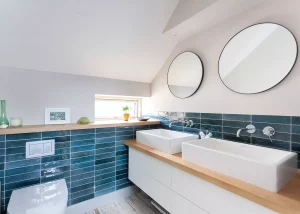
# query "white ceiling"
(119, 39)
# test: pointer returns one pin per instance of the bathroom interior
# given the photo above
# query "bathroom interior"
(149, 106)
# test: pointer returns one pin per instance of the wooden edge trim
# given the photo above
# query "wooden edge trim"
(74, 126)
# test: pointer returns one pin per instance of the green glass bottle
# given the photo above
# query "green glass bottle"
(3, 119)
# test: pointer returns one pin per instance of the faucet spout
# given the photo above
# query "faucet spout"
(250, 129)
(239, 132)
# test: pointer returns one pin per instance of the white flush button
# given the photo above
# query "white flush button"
(35, 149)
(40, 148)
(48, 148)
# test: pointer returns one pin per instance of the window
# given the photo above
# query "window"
(110, 107)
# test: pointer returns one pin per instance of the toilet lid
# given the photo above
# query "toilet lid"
(38, 198)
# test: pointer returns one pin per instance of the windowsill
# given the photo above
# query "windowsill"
(75, 126)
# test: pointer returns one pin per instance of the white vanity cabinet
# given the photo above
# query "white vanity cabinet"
(180, 192)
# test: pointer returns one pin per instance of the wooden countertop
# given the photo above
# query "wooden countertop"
(287, 201)
(75, 126)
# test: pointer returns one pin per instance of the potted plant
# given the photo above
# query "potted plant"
(126, 114)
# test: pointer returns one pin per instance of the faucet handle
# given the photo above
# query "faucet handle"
(269, 131)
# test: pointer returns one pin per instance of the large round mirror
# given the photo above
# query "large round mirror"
(257, 58)
(185, 75)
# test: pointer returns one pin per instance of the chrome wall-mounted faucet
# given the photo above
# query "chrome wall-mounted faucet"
(184, 122)
(250, 129)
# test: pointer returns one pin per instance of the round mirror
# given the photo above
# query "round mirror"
(185, 75)
(257, 58)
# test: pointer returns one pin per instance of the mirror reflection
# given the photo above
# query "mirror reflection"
(258, 58)
(185, 75)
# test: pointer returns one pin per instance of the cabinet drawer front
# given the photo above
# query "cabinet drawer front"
(212, 198)
(159, 192)
(180, 205)
(154, 168)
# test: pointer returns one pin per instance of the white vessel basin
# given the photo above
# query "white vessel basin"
(164, 140)
(269, 169)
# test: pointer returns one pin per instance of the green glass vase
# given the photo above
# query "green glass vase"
(3, 119)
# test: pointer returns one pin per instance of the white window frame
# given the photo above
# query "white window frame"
(138, 100)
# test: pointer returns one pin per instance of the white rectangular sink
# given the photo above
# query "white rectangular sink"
(164, 140)
(269, 169)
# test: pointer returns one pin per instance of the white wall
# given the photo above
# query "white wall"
(213, 96)
(29, 92)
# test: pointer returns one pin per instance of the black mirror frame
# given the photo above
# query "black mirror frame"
(199, 82)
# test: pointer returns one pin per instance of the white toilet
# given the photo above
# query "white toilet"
(48, 198)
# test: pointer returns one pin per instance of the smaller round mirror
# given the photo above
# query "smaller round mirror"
(185, 75)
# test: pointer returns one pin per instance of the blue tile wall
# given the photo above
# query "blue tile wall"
(93, 162)
(225, 126)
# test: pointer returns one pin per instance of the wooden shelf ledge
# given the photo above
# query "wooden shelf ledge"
(75, 126)
(286, 201)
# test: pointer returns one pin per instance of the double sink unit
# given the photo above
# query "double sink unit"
(178, 191)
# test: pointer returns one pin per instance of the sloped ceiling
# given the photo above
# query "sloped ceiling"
(120, 39)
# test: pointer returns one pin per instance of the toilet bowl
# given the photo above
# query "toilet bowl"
(47, 198)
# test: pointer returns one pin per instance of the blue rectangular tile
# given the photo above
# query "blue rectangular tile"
(2, 145)
(55, 158)
(105, 176)
(83, 176)
(271, 119)
(82, 132)
(82, 182)
(27, 136)
(82, 154)
(17, 143)
(62, 145)
(83, 187)
(105, 186)
(82, 143)
(22, 170)
(104, 166)
(122, 181)
(211, 116)
(2, 137)
(295, 138)
(119, 177)
(121, 162)
(235, 124)
(105, 140)
(81, 171)
(105, 155)
(211, 122)
(102, 130)
(21, 177)
(82, 165)
(82, 193)
(128, 137)
(192, 114)
(2, 151)
(55, 134)
(124, 186)
(106, 160)
(83, 148)
(296, 120)
(83, 137)
(122, 157)
(237, 117)
(124, 133)
(82, 159)
(106, 134)
(211, 128)
(62, 151)
(59, 139)
(122, 167)
(105, 150)
(124, 152)
(104, 171)
(120, 172)
(124, 128)
(23, 163)
(105, 145)
(55, 164)
(296, 147)
(121, 147)
(18, 150)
